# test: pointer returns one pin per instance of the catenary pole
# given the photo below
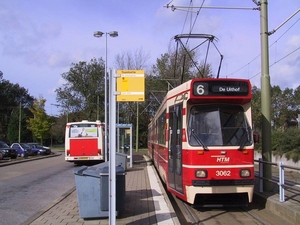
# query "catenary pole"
(265, 95)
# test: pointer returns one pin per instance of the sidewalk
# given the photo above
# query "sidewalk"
(145, 202)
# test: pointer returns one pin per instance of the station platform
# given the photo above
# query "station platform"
(147, 203)
(289, 209)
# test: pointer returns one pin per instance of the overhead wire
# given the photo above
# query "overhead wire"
(278, 61)
(189, 12)
(192, 24)
(190, 7)
(275, 42)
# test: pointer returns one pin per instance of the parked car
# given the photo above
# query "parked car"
(7, 152)
(23, 149)
(41, 150)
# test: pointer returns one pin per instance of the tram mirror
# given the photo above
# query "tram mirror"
(255, 138)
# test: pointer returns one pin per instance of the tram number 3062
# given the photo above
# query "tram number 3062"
(223, 173)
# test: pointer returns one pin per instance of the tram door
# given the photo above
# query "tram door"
(175, 147)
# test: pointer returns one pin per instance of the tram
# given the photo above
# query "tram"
(201, 141)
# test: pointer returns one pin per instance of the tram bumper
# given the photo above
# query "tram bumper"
(192, 191)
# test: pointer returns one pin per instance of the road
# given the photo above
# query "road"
(26, 188)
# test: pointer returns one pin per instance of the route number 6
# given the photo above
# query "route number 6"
(200, 89)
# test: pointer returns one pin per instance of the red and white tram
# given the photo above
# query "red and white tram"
(201, 140)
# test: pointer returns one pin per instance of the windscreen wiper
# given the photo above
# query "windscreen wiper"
(244, 140)
(200, 142)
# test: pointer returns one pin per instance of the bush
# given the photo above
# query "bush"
(294, 155)
(287, 142)
(284, 142)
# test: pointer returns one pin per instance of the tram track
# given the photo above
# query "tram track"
(191, 215)
(256, 216)
(187, 213)
(234, 214)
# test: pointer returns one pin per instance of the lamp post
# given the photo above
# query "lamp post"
(99, 34)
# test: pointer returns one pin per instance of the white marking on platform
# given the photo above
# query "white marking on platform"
(162, 211)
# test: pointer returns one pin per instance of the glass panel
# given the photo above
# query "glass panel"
(83, 130)
(218, 126)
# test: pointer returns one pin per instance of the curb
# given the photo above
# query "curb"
(31, 159)
(44, 210)
(164, 194)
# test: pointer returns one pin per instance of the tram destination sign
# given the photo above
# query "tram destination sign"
(221, 88)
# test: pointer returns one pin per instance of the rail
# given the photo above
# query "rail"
(281, 181)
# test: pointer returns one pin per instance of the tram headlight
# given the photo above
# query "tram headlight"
(201, 173)
(245, 173)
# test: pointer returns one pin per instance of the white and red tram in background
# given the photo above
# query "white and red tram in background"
(201, 140)
(84, 141)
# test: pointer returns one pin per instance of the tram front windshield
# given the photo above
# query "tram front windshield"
(212, 125)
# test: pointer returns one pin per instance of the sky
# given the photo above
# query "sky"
(40, 39)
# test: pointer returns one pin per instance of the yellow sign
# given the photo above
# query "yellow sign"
(131, 86)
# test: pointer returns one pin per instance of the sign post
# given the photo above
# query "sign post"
(112, 148)
(130, 87)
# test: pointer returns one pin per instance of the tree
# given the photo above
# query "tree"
(136, 60)
(11, 95)
(179, 67)
(40, 124)
(256, 109)
(83, 89)
(283, 107)
(297, 99)
(170, 70)
(17, 126)
(58, 130)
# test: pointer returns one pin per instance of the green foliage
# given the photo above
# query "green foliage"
(285, 107)
(13, 127)
(286, 142)
(294, 154)
(11, 96)
(256, 108)
(40, 124)
(83, 89)
(17, 124)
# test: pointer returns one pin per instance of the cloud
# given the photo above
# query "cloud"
(59, 58)
(293, 49)
(24, 38)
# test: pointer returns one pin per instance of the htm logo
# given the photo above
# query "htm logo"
(223, 159)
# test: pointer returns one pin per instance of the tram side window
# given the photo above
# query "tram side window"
(161, 128)
(83, 130)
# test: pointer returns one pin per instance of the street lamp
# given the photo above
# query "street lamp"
(99, 34)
